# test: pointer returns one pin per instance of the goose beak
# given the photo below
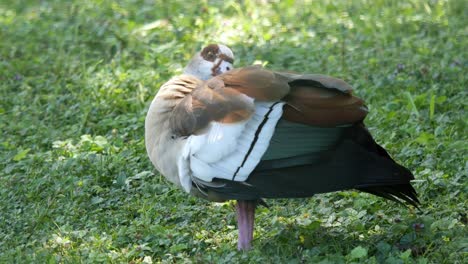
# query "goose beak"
(221, 66)
(217, 72)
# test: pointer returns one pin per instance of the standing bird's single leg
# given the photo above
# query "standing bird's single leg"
(245, 222)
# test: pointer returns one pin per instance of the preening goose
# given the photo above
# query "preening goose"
(249, 133)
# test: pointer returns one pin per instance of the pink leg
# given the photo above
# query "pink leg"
(245, 223)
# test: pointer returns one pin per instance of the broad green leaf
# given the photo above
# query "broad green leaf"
(358, 252)
(21, 154)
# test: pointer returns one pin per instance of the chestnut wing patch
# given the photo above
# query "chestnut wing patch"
(323, 107)
(256, 82)
(209, 102)
(321, 100)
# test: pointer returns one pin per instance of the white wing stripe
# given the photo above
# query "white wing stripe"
(255, 139)
(229, 151)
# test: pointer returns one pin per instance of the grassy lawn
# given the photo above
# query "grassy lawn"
(76, 79)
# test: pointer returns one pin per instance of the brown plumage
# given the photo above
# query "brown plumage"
(209, 101)
(311, 99)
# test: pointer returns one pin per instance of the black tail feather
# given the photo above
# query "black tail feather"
(397, 189)
(396, 193)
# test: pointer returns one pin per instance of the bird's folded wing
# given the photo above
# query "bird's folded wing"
(312, 99)
(321, 100)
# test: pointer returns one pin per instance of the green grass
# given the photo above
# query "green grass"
(76, 79)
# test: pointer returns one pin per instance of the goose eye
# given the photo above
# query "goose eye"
(228, 68)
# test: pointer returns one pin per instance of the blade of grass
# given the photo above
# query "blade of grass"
(432, 107)
(413, 105)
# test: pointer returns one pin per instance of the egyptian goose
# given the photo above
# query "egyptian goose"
(249, 133)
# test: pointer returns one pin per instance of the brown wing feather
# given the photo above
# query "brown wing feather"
(321, 101)
(208, 102)
(256, 82)
(312, 99)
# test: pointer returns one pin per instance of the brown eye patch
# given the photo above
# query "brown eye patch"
(210, 52)
(225, 57)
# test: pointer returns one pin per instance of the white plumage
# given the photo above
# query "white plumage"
(221, 152)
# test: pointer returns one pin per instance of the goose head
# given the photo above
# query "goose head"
(212, 60)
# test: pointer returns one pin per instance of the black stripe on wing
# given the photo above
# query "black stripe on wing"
(255, 139)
